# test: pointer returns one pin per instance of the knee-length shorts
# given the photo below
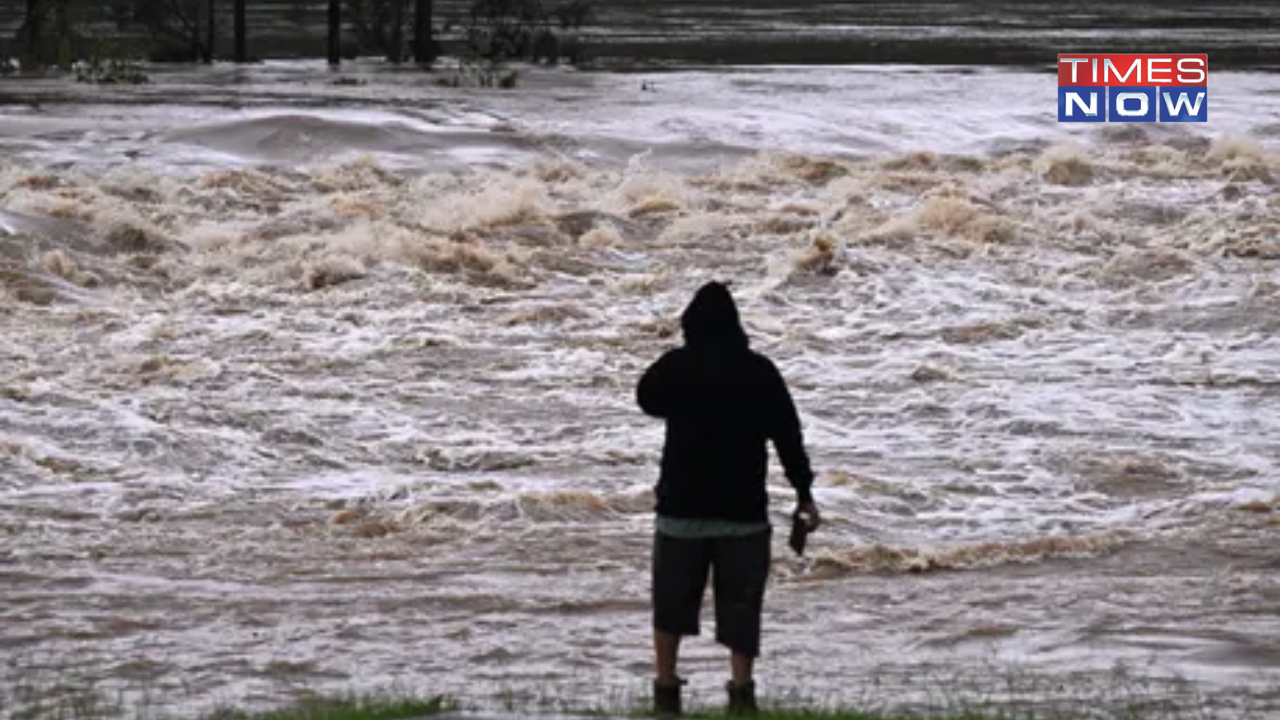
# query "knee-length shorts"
(738, 567)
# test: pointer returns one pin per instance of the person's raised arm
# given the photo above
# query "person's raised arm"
(657, 387)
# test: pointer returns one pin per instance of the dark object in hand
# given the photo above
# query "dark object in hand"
(800, 528)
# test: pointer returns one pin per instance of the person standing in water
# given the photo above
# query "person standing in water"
(722, 403)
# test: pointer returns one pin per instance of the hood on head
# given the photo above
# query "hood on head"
(712, 319)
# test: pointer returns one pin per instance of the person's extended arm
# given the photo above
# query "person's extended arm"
(656, 389)
(788, 437)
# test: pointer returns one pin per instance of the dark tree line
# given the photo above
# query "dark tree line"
(191, 29)
(193, 24)
(189, 23)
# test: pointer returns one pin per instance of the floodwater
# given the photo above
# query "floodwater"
(317, 387)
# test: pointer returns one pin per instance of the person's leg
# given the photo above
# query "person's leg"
(680, 570)
(743, 667)
(666, 647)
(741, 572)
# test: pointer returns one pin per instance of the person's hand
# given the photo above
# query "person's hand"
(809, 511)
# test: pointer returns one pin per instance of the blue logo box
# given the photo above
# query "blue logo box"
(1082, 103)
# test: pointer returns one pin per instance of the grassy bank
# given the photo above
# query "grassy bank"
(408, 708)
(945, 701)
(362, 708)
(59, 706)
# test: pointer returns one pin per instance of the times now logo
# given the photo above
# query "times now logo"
(1133, 88)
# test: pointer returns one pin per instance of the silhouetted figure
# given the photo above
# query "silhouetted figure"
(723, 403)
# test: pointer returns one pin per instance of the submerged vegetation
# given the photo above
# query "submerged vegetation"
(488, 34)
(498, 32)
(112, 71)
(106, 43)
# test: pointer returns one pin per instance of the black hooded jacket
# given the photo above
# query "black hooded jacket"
(722, 402)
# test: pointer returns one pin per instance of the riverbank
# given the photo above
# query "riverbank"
(422, 707)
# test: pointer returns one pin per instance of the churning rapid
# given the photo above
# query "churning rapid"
(315, 387)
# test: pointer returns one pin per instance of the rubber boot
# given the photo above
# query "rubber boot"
(666, 699)
(742, 698)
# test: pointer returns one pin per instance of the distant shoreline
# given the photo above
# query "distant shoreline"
(622, 55)
(649, 55)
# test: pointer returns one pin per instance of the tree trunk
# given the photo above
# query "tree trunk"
(32, 25)
(62, 22)
(335, 32)
(424, 50)
(380, 24)
(197, 52)
(211, 30)
(241, 30)
(395, 46)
